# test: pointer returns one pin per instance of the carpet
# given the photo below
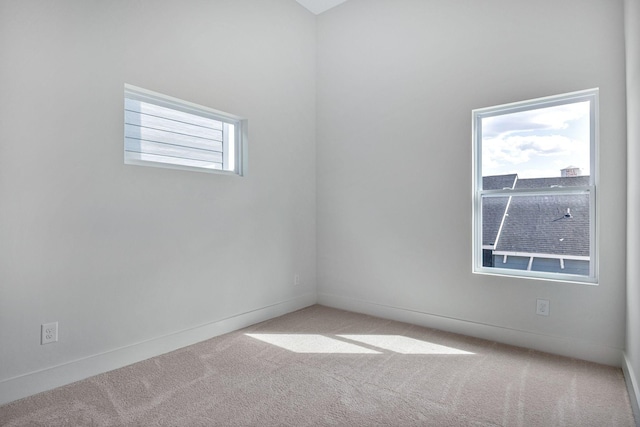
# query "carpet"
(325, 367)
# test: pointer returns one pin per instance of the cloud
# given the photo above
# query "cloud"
(543, 119)
(536, 141)
(520, 149)
(561, 116)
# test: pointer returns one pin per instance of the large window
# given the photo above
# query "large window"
(535, 188)
(163, 131)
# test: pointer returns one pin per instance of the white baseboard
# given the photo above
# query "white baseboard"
(547, 343)
(633, 386)
(46, 379)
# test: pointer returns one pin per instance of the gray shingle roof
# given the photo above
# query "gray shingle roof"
(569, 181)
(538, 224)
(498, 182)
(493, 207)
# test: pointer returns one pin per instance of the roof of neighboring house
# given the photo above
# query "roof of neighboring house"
(498, 182)
(568, 181)
(551, 224)
(493, 207)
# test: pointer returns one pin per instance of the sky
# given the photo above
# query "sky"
(537, 143)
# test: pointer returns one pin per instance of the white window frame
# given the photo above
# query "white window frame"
(238, 138)
(591, 96)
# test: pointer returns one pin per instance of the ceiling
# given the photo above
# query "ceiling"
(319, 6)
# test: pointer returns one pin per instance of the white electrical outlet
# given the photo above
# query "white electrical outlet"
(296, 280)
(49, 333)
(542, 307)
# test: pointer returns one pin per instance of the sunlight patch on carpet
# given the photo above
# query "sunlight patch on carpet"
(403, 345)
(317, 343)
(311, 343)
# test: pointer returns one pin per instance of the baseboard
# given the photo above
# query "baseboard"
(550, 344)
(35, 382)
(633, 387)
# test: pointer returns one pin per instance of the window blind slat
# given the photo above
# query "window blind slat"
(168, 113)
(147, 121)
(149, 147)
(171, 160)
(155, 135)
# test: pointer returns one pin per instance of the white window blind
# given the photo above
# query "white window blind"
(168, 132)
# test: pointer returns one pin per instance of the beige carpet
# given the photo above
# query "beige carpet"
(321, 366)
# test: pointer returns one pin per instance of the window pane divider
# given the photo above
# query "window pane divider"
(536, 191)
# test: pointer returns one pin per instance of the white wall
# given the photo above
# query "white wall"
(632, 354)
(396, 85)
(135, 261)
(120, 255)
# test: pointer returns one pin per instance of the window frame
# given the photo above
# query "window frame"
(239, 135)
(590, 95)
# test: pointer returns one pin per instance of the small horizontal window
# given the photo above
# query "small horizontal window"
(167, 132)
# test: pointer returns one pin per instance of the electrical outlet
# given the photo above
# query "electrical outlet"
(49, 333)
(542, 307)
(296, 280)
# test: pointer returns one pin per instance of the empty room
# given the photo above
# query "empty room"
(320, 212)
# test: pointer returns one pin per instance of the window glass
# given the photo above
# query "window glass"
(547, 142)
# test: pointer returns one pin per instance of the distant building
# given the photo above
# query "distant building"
(540, 233)
(571, 171)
